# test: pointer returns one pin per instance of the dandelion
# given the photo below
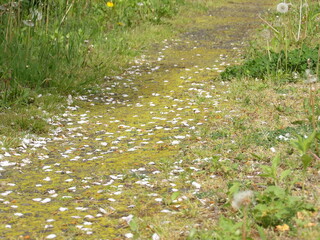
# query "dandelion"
(28, 23)
(110, 4)
(35, 14)
(240, 199)
(311, 78)
(266, 34)
(243, 198)
(282, 7)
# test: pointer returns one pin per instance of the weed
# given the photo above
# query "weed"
(58, 42)
(275, 207)
(303, 145)
(275, 64)
(274, 172)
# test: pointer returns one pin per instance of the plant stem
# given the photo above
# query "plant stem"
(268, 24)
(244, 222)
(66, 14)
(300, 20)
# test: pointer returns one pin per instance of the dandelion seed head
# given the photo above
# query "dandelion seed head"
(310, 78)
(266, 34)
(282, 7)
(242, 198)
(35, 14)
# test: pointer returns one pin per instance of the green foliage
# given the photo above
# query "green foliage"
(226, 229)
(58, 44)
(274, 171)
(262, 65)
(171, 198)
(303, 145)
(275, 206)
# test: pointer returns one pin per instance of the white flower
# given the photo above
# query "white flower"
(282, 7)
(241, 199)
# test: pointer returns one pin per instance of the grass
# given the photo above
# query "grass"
(254, 145)
(237, 153)
(247, 146)
(59, 55)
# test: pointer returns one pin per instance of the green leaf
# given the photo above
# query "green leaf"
(306, 160)
(284, 174)
(174, 196)
(261, 233)
(276, 162)
(192, 234)
(133, 225)
(267, 171)
(310, 140)
(234, 188)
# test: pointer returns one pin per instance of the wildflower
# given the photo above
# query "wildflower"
(282, 7)
(28, 23)
(243, 198)
(35, 14)
(311, 78)
(295, 75)
(266, 34)
(110, 4)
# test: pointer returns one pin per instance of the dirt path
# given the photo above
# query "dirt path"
(98, 165)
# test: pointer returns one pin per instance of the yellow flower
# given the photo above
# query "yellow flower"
(110, 4)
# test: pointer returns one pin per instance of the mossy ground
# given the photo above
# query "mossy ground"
(163, 126)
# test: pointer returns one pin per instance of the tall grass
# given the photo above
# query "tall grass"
(53, 44)
(287, 46)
